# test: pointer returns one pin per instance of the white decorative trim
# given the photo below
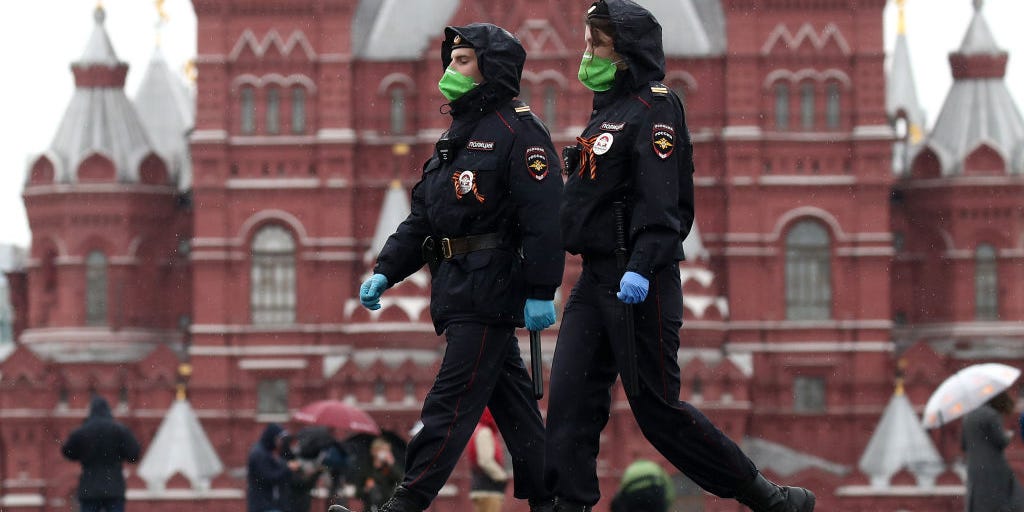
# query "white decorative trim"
(874, 132)
(865, 251)
(805, 32)
(900, 490)
(548, 75)
(202, 136)
(336, 135)
(813, 346)
(285, 82)
(266, 350)
(795, 77)
(248, 39)
(98, 188)
(271, 140)
(402, 79)
(804, 181)
(184, 495)
(331, 256)
(799, 325)
(681, 76)
(273, 364)
(22, 500)
(741, 132)
(273, 214)
(272, 183)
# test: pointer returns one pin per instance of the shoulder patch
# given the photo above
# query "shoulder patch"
(537, 162)
(659, 90)
(523, 112)
(663, 140)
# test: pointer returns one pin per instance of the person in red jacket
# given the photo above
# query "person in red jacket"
(487, 458)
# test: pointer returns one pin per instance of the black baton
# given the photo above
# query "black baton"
(537, 364)
(628, 371)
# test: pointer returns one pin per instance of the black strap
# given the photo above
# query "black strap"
(454, 246)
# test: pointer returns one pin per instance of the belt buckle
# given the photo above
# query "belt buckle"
(446, 248)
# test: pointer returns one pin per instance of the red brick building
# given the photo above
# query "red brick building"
(230, 228)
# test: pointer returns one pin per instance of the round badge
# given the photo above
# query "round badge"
(466, 182)
(603, 143)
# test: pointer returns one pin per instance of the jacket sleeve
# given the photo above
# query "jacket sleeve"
(535, 183)
(72, 448)
(662, 207)
(485, 446)
(401, 255)
(130, 448)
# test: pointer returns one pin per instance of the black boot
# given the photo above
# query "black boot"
(547, 505)
(400, 501)
(763, 495)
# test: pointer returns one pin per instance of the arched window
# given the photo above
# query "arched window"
(272, 297)
(782, 106)
(96, 288)
(397, 111)
(807, 106)
(808, 272)
(832, 105)
(298, 110)
(273, 110)
(247, 110)
(986, 288)
(551, 106)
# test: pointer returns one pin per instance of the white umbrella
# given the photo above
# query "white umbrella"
(966, 390)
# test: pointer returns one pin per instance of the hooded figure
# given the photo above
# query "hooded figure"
(482, 220)
(101, 445)
(627, 206)
(268, 475)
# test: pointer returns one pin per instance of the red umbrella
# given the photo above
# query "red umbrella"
(345, 418)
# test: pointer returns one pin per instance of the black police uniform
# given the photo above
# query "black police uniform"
(483, 215)
(636, 149)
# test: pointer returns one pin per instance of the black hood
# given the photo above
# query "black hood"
(268, 439)
(499, 55)
(638, 41)
(99, 409)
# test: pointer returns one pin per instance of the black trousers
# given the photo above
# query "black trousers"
(481, 367)
(587, 357)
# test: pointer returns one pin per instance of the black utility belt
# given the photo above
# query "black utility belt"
(435, 248)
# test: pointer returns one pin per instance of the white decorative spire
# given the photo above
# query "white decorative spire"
(180, 446)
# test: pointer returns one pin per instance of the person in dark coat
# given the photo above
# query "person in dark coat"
(627, 206)
(482, 218)
(303, 479)
(269, 475)
(991, 484)
(101, 445)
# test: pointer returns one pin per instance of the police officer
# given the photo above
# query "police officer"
(635, 151)
(483, 214)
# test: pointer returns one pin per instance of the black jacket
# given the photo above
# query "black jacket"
(500, 176)
(636, 149)
(101, 445)
(268, 475)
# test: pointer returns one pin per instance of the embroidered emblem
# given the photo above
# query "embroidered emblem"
(537, 162)
(609, 126)
(603, 143)
(663, 140)
(481, 145)
(465, 183)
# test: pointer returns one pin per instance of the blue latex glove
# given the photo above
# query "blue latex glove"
(632, 288)
(371, 290)
(539, 314)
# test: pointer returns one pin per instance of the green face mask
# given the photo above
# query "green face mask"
(597, 73)
(454, 84)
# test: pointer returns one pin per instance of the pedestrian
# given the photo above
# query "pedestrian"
(991, 484)
(482, 220)
(636, 151)
(101, 445)
(645, 487)
(269, 474)
(383, 477)
(488, 478)
(302, 479)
